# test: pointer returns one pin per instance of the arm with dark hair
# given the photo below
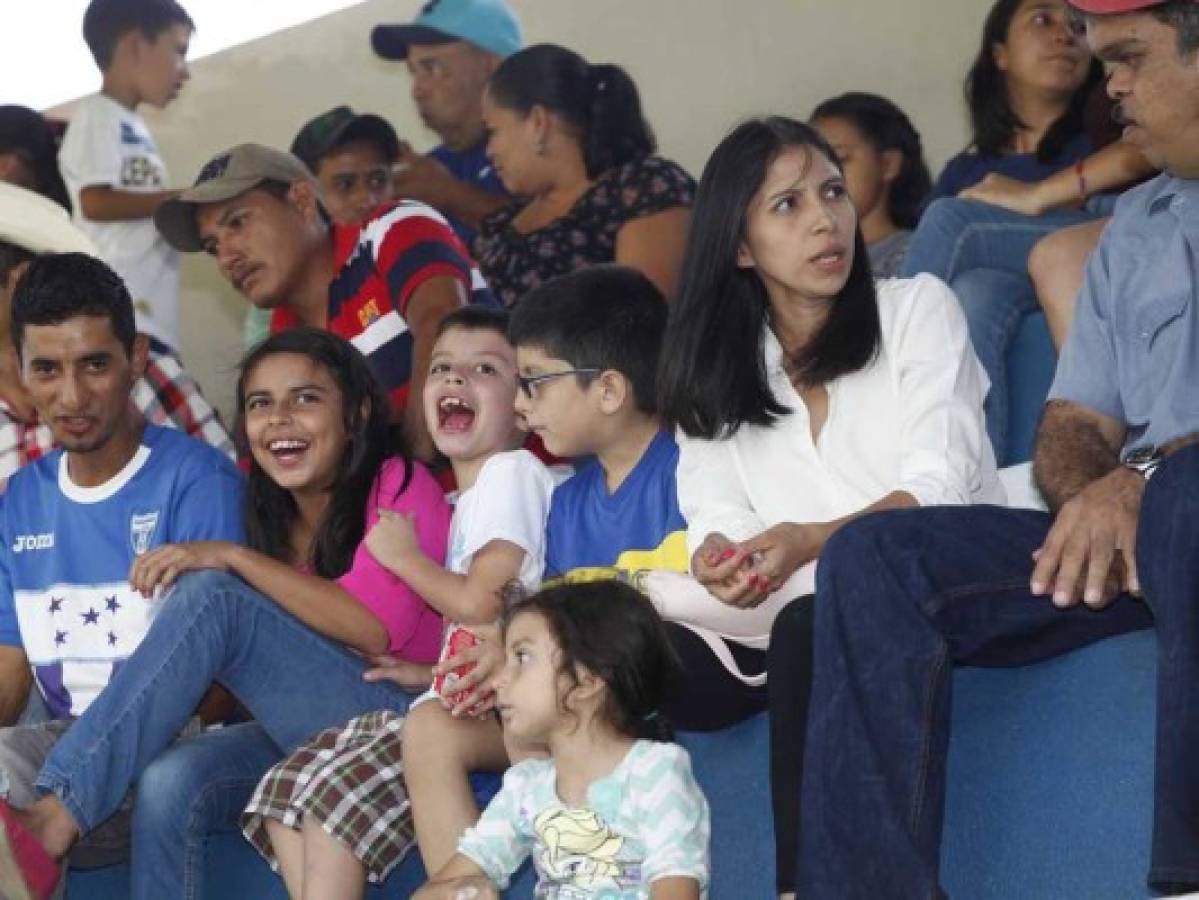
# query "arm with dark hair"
(1089, 551)
(1075, 447)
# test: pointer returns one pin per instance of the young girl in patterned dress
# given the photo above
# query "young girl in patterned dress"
(614, 812)
(335, 813)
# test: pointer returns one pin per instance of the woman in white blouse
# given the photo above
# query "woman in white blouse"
(805, 394)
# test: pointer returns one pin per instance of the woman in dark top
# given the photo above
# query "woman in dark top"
(1027, 92)
(569, 138)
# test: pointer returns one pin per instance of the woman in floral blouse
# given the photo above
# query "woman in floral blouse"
(570, 140)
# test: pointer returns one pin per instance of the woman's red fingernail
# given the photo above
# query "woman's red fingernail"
(727, 553)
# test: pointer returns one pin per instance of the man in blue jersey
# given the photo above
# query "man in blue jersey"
(451, 49)
(73, 522)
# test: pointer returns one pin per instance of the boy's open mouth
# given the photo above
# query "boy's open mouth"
(454, 415)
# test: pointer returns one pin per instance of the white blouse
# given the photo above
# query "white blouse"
(912, 421)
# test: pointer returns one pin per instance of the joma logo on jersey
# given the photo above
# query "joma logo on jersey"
(33, 542)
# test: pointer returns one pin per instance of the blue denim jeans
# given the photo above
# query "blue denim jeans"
(981, 251)
(195, 789)
(901, 598)
(211, 627)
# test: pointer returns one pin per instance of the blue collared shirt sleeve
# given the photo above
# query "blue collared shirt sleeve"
(10, 629)
(1087, 371)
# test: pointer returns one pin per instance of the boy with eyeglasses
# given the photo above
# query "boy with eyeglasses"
(587, 347)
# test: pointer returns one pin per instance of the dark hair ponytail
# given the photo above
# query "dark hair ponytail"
(618, 133)
(600, 102)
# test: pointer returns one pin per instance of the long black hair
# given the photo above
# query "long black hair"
(600, 102)
(992, 118)
(612, 630)
(885, 126)
(271, 511)
(713, 377)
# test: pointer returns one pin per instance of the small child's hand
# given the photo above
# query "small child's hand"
(472, 692)
(410, 676)
(392, 539)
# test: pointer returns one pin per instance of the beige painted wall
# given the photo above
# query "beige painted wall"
(701, 65)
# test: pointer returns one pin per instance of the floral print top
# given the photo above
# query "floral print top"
(515, 263)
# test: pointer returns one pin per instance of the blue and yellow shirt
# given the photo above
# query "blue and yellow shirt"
(592, 533)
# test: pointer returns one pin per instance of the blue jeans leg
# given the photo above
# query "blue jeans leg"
(956, 235)
(1168, 566)
(900, 598)
(196, 788)
(211, 627)
(994, 302)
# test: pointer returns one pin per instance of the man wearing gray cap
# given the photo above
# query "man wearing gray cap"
(384, 285)
(451, 49)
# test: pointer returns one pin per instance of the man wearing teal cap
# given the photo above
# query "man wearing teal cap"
(451, 49)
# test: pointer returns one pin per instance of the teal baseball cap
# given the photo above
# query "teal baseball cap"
(488, 24)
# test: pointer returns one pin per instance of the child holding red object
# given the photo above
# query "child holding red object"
(336, 811)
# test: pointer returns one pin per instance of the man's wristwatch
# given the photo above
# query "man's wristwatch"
(1144, 460)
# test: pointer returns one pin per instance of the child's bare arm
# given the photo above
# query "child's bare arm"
(676, 888)
(473, 598)
(104, 203)
(459, 879)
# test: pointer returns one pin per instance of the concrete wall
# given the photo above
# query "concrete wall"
(701, 65)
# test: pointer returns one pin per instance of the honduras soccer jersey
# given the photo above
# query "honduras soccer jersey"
(67, 550)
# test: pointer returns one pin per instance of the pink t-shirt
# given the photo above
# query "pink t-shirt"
(413, 627)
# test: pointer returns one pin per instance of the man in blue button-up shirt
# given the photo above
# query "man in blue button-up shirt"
(900, 596)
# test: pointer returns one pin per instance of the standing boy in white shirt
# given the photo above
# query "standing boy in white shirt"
(109, 160)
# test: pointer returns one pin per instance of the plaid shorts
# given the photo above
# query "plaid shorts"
(350, 780)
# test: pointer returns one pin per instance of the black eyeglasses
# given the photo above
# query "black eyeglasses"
(529, 384)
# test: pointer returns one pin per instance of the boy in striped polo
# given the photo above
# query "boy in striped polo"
(383, 285)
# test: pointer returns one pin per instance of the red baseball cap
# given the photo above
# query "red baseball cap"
(1114, 7)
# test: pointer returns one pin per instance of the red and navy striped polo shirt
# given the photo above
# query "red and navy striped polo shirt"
(380, 264)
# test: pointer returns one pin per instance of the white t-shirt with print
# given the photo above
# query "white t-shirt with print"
(107, 144)
(509, 501)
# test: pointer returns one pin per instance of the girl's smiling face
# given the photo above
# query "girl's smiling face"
(295, 422)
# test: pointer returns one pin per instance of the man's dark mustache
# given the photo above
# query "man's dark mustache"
(1119, 116)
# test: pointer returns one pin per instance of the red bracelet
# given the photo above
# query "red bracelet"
(1082, 179)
